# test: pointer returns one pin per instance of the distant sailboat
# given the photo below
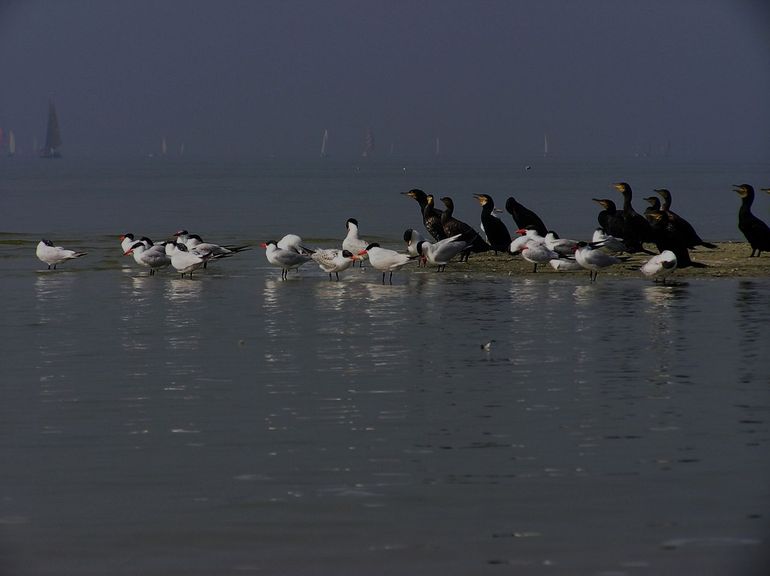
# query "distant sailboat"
(181, 149)
(324, 143)
(52, 135)
(368, 144)
(11, 143)
(545, 145)
(163, 147)
(437, 151)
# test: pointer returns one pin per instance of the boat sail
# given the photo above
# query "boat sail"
(11, 143)
(52, 134)
(163, 147)
(545, 145)
(368, 144)
(324, 144)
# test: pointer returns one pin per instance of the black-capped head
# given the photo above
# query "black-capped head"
(145, 239)
(195, 237)
(181, 247)
(347, 254)
(420, 244)
(136, 245)
(351, 221)
(181, 233)
(372, 245)
(126, 235)
(47, 242)
(408, 234)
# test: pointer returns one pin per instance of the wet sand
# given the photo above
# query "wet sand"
(729, 259)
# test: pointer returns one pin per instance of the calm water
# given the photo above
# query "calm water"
(236, 424)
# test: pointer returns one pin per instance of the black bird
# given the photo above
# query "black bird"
(453, 226)
(757, 233)
(654, 206)
(524, 217)
(610, 219)
(667, 236)
(431, 216)
(684, 227)
(636, 229)
(495, 229)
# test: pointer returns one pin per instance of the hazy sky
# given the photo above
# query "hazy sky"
(252, 78)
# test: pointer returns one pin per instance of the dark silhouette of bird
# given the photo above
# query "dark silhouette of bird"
(683, 226)
(667, 236)
(610, 219)
(431, 216)
(494, 228)
(453, 226)
(757, 233)
(524, 217)
(636, 229)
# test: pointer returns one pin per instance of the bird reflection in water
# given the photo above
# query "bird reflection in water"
(182, 297)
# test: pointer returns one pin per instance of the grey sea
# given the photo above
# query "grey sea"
(234, 423)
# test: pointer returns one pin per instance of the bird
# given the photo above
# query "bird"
(636, 229)
(284, 259)
(610, 219)
(593, 259)
(126, 241)
(757, 233)
(487, 346)
(668, 237)
(440, 253)
(562, 246)
(683, 226)
(385, 260)
(352, 242)
(538, 253)
(607, 242)
(333, 260)
(186, 261)
(453, 226)
(195, 241)
(412, 237)
(53, 255)
(524, 217)
(660, 266)
(431, 216)
(154, 257)
(495, 229)
(524, 235)
(565, 264)
(292, 242)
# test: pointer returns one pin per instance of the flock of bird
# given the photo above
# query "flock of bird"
(621, 231)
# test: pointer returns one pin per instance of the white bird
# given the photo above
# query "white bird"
(537, 253)
(292, 242)
(352, 242)
(660, 266)
(593, 259)
(333, 260)
(563, 246)
(385, 260)
(412, 237)
(525, 235)
(284, 259)
(565, 264)
(608, 242)
(185, 261)
(154, 257)
(53, 255)
(195, 241)
(441, 252)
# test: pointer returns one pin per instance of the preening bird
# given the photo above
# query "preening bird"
(53, 255)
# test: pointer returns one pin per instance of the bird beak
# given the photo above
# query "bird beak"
(263, 245)
(128, 253)
(362, 252)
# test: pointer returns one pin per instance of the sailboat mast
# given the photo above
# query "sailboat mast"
(52, 134)
(545, 145)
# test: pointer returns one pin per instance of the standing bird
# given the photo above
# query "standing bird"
(660, 266)
(412, 238)
(284, 259)
(352, 242)
(755, 230)
(682, 225)
(593, 259)
(610, 219)
(53, 255)
(524, 217)
(538, 253)
(667, 237)
(154, 257)
(185, 261)
(431, 216)
(636, 229)
(440, 253)
(496, 231)
(385, 260)
(333, 260)
(453, 226)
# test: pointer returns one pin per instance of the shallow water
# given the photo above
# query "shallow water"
(235, 423)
